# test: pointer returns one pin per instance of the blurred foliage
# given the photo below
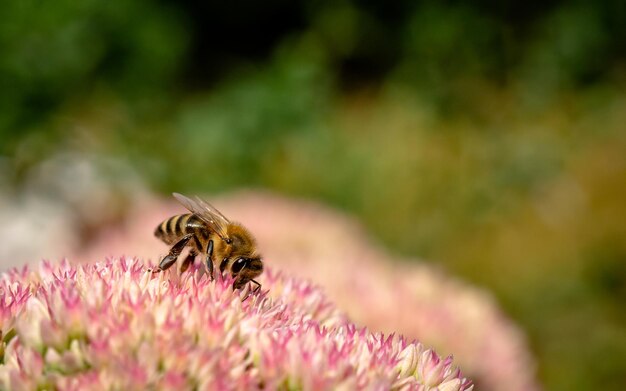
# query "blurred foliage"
(58, 53)
(486, 136)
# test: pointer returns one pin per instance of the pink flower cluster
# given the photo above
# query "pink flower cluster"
(375, 289)
(113, 325)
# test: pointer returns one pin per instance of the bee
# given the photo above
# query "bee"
(208, 232)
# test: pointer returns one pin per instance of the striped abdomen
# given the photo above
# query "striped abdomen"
(174, 228)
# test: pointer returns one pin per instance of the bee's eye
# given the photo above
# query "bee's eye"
(238, 265)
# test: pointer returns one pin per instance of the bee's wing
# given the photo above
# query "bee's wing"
(207, 212)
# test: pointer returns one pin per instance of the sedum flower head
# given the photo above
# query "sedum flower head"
(376, 289)
(113, 325)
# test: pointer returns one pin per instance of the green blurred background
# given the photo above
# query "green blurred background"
(489, 137)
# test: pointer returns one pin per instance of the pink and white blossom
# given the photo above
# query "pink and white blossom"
(113, 325)
(374, 288)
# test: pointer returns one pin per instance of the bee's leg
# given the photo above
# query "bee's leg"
(223, 265)
(175, 251)
(209, 259)
(188, 261)
(237, 285)
(257, 288)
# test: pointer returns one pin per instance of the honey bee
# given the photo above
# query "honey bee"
(208, 232)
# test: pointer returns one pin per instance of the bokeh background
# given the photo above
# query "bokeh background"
(486, 137)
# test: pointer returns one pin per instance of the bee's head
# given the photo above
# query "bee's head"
(244, 261)
(245, 269)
